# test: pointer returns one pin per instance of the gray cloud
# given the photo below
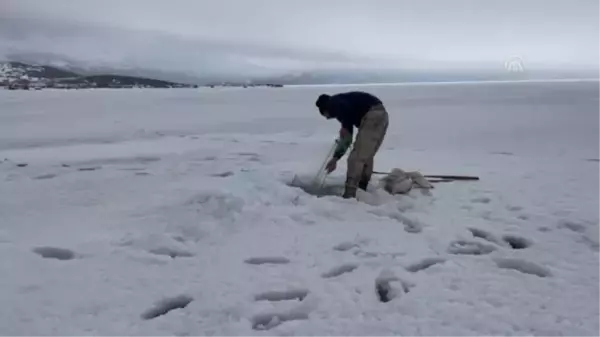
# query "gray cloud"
(273, 36)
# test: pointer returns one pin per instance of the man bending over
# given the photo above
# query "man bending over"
(367, 113)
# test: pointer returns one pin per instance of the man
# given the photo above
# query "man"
(365, 112)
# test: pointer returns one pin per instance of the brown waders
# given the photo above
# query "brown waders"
(371, 132)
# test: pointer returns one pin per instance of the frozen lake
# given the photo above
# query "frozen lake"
(168, 212)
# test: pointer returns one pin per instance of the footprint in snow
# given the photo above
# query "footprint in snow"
(388, 286)
(516, 242)
(518, 210)
(171, 252)
(424, 264)
(282, 295)
(222, 174)
(370, 254)
(581, 228)
(132, 169)
(166, 305)
(481, 200)
(571, 225)
(483, 234)
(503, 153)
(464, 247)
(364, 254)
(251, 156)
(514, 208)
(94, 168)
(54, 253)
(267, 321)
(523, 266)
(339, 270)
(346, 246)
(267, 260)
(45, 176)
(591, 243)
(122, 161)
(511, 240)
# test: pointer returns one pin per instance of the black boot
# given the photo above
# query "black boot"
(349, 190)
(364, 182)
(349, 193)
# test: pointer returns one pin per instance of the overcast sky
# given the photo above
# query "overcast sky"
(271, 36)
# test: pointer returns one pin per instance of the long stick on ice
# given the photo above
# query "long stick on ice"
(320, 177)
(449, 177)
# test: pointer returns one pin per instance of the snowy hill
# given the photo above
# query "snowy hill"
(48, 76)
(17, 70)
(103, 81)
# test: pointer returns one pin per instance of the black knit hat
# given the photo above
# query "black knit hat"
(322, 101)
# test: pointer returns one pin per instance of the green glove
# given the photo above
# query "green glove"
(343, 144)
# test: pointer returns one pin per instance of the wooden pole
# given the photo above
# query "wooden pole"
(445, 177)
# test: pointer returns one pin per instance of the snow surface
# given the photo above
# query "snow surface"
(168, 212)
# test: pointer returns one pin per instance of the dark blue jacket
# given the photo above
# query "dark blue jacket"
(350, 107)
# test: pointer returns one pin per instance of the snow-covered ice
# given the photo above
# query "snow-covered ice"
(169, 212)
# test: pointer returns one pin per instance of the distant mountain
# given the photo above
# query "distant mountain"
(85, 68)
(106, 81)
(24, 75)
(173, 77)
(18, 70)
